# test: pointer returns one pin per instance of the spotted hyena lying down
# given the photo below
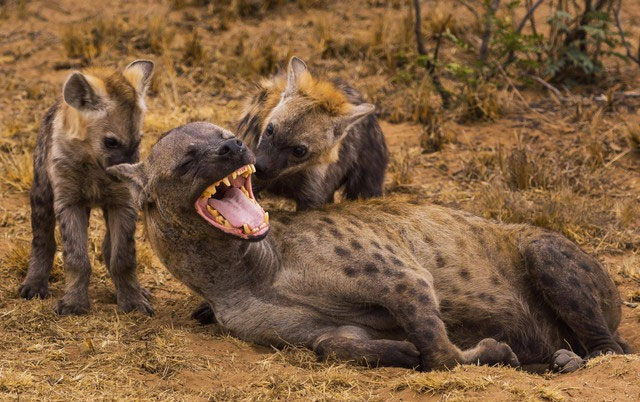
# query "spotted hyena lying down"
(383, 282)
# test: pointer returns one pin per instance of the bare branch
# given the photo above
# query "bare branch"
(430, 65)
(616, 14)
(528, 15)
(486, 36)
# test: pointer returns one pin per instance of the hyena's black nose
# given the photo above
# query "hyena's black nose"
(232, 145)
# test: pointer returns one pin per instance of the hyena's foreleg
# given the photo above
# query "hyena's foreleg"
(121, 223)
(106, 243)
(43, 244)
(74, 221)
(581, 293)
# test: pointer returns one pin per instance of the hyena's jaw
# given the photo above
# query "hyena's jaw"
(229, 205)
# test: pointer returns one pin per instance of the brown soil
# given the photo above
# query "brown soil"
(580, 177)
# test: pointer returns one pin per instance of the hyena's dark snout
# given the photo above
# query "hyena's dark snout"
(233, 151)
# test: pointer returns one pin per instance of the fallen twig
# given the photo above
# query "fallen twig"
(616, 15)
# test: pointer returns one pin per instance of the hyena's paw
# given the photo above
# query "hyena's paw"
(135, 301)
(29, 290)
(68, 307)
(565, 361)
(204, 314)
(490, 352)
(398, 354)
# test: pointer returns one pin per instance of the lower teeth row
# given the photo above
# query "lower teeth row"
(247, 230)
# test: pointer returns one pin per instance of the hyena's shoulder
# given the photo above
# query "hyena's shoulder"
(261, 100)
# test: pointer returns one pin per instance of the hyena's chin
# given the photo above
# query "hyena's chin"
(229, 205)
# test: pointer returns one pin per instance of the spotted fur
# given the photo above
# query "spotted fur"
(379, 281)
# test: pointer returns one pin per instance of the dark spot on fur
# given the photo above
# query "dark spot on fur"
(464, 274)
(495, 280)
(427, 335)
(336, 233)
(454, 290)
(284, 219)
(428, 239)
(328, 220)
(585, 266)
(445, 305)
(411, 309)
(397, 262)
(422, 282)
(391, 250)
(378, 257)
(424, 298)
(440, 262)
(461, 242)
(371, 269)
(546, 279)
(401, 287)
(376, 244)
(342, 252)
(356, 245)
(350, 272)
(574, 282)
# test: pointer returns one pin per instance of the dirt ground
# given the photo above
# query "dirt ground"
(564, 160)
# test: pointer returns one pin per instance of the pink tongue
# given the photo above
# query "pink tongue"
(237, 209)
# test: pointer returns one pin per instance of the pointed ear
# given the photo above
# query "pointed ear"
(354, 114)
(139, 74)
(80, 94)
(136, 176)
(295, 69)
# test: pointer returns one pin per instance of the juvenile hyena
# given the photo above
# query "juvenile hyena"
(374, 281)
(312, 137)
(96, 125)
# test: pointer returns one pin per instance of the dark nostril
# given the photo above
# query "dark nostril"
(232, 144)
(224, 149)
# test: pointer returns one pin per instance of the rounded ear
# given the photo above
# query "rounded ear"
(136, 176)
(295, 69)
(139, 74)
(80, 94)
(353, 116)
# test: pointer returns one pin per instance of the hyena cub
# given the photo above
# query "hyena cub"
(96, 125)
(312, 137)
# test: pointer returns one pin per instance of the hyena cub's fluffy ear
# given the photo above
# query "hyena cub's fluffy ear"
(295, 70)
(352, 115)
(87, 93)
(84, 93)
(139, 74)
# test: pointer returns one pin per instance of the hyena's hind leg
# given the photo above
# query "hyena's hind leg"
(120, 259)
(43, 244)
(354, 343)
(579, 291)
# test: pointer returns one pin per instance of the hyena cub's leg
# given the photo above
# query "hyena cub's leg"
(121, 259)
(43, 244)
(580, 292)
(73, 221)
(354, 343)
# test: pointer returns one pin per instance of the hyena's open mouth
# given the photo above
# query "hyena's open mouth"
(230, 206)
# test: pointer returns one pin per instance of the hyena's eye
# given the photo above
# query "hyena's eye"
(299, 151)
(269, 130)
(111, 143)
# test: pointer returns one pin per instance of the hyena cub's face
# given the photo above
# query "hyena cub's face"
(307, 126)
(103, 111)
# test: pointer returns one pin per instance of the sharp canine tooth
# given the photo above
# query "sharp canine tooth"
(244, 191)
(246, 229)
(220, 219)
(226, 181)
(266, 217)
